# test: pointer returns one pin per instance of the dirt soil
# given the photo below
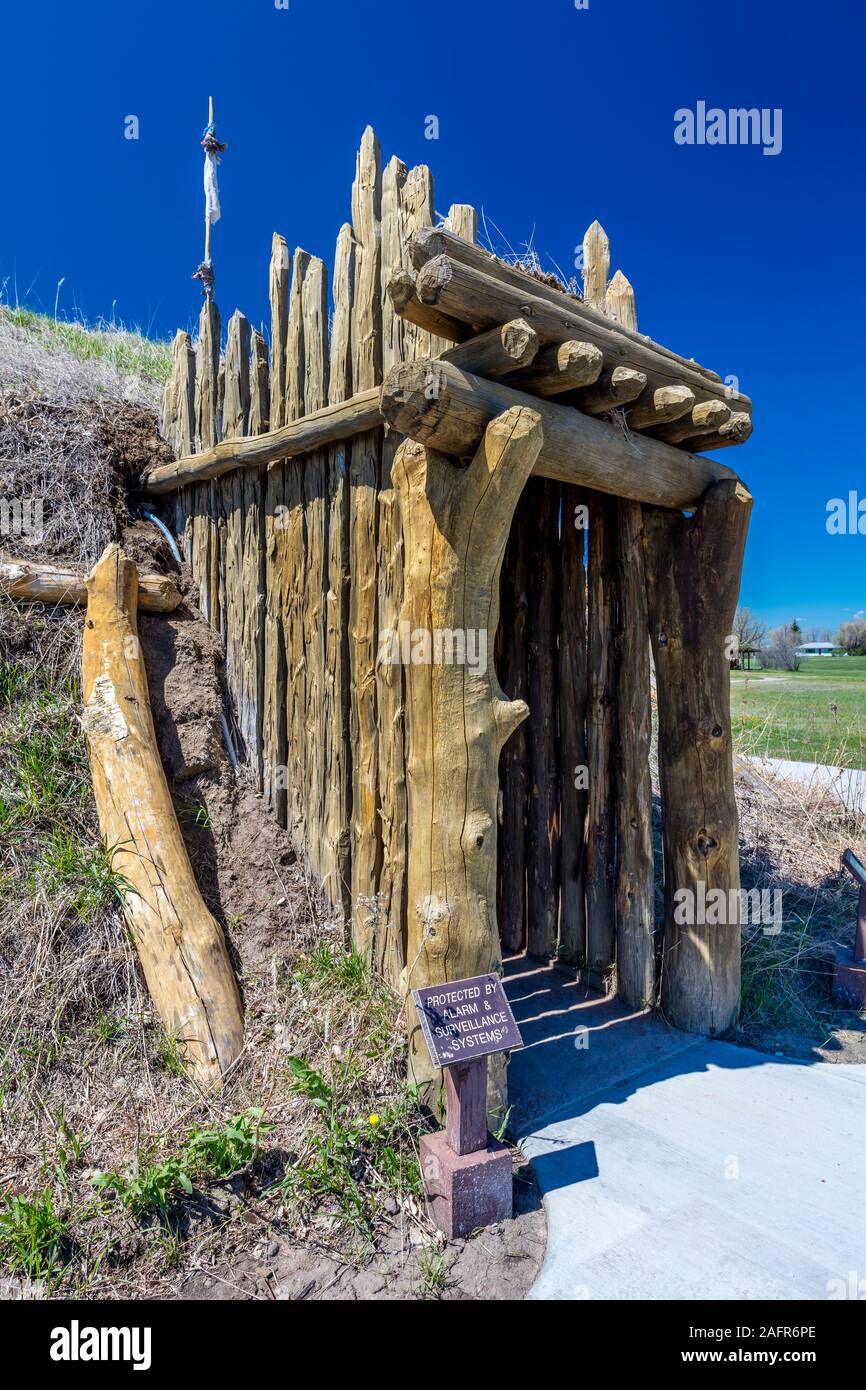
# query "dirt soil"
(236, 1237)
(500, 1263)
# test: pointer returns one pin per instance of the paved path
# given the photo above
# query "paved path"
(846, 784)
(674, 1167)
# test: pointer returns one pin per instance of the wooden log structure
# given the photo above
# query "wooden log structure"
(448, 409)
(561, 367)
(455, 527)
(28, 582)
(573, 670)
(465, 435)
(514, 284)
(498, 353)
(693, 569)
(181, 947)
(542, 811)
(364, 480)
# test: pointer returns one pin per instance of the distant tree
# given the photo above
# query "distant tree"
(852, 636)
(780, 653)
(796, 632)
(749, 631)
(813, 634)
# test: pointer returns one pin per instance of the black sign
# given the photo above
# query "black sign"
(466, 1019)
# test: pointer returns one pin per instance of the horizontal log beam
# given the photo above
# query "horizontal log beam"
(733, 431)
(354, 416)
(438, 405)
(401, 292)
(497, 353)
(659, 406)
(482, 301)
(561, 367)
(706, 418)
(429, 242)
(615, 388)
(27, 582)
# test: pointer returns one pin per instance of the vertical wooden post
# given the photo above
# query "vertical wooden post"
(388, 946)
(274, 685)
(693, 567)
(514, 762)
(600, 734)
(572, 731)
(466, 1106)
(364, 473)
(338, 806)
(542, 817)
(292, 567)
(635, 877)
(314, 296)
(455, 526)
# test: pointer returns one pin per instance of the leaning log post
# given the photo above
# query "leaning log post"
(181, 947)
(455, 528)
(693, 567)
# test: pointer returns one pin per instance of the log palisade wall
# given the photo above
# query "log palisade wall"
(302, 565)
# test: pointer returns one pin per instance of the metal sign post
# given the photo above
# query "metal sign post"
(849, 970)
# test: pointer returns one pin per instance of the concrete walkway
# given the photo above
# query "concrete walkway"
(845, 784)
(674, 1167)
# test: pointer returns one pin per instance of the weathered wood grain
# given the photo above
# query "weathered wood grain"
(25, 581)
(364, 477)
(337, 873)
(181, 947)
(542, 814)
(273, 712)
(439, 405)
(572, 726)
(455, 525)
(693, 568)
(601, 731)
(514, 759)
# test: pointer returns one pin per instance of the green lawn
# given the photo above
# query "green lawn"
(790, 714)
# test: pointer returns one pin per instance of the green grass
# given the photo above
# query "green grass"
(790, 714)
(149, 1187)
(130, 352)
(31, 1234)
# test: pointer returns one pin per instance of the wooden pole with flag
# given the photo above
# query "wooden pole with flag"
(207, 221)
(213, 148)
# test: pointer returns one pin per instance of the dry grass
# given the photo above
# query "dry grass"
(89, 1083)
(63, 361)
(791, 839)
(76, 427)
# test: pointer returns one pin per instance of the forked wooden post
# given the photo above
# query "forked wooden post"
(455, 527)
(693, 566)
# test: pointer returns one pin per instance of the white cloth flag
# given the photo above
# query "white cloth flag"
(211, 191)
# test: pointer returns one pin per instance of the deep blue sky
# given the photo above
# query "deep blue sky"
(549, 117)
